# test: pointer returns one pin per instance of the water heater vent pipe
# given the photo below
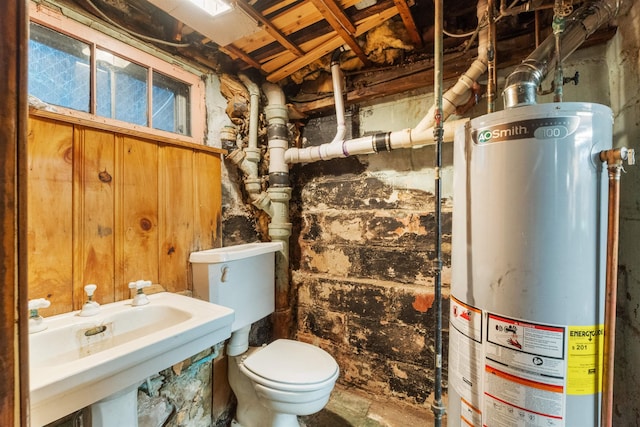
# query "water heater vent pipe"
(522, 84)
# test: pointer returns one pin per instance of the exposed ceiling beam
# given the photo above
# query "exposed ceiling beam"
(334, 15)
(270, 28)
(413, 76)
(233, 51)
(408, 21)
(329, 7)
(330, 45)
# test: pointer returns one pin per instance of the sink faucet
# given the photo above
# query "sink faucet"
(36, 322)
(91, 307)
(141, 297)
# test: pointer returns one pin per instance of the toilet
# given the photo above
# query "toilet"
(277, 382)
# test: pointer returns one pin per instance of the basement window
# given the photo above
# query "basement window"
(59, 69)
(86, 71)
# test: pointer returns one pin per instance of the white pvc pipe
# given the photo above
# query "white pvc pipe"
(459, 93)
(336, 80)
(406, 138)
(277, 115)
(422, 134)
(254, 109)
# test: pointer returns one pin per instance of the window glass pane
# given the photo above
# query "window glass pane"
(170, 104)
(58, 68)
(121, 89)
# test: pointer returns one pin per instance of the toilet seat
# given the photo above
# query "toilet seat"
(291, 365)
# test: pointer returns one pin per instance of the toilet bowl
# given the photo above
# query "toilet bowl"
(276, 383)
(287, 378)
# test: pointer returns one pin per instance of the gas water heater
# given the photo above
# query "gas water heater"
(528, 267)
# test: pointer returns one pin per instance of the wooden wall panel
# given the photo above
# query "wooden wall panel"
(14, 380)
(93, 209)
(49, 201)
(109, 209)
(136, 213)
(176, 216)
(208, 193)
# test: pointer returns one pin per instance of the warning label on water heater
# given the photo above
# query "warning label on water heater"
(524, 373)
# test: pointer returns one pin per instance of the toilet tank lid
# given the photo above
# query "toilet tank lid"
(232, 253)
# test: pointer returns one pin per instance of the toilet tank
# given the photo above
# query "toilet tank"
(240, 277)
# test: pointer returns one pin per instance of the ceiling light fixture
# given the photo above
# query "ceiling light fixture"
(223, 23)
(212, 7)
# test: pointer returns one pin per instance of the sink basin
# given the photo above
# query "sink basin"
(78, 361)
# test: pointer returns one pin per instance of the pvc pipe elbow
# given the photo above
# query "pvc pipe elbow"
(263, 202)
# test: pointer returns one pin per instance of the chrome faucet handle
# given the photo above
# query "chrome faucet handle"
(140, 298)
(36, 322)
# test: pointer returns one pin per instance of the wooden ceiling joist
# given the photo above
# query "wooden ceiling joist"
(292, 65)
(270, 28)
(234, 52)
(334, 15)
(409, 23)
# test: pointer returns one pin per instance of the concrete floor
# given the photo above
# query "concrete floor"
(351, 408)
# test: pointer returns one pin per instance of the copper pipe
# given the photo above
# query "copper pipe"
(610, 298)
(614, 159)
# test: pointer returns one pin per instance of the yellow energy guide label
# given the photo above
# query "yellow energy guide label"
(584, 364)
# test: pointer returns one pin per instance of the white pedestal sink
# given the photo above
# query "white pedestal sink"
(78, 361)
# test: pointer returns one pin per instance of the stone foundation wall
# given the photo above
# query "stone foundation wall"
(363, 254)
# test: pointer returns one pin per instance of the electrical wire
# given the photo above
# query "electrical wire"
(460, 36)
(133, 33)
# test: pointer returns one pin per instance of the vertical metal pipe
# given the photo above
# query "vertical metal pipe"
(522, 84)
(491, 57)
(610, 298)
(614, 160)
(437, 406)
